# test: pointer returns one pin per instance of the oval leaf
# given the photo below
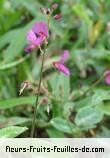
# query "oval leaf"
(88, 116)
(63, 125)
(11, 132)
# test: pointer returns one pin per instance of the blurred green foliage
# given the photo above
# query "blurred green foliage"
(85, 31)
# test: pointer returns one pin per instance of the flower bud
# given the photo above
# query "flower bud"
(24, 85)
(107, 77)
(48, 11)
(54, 6)
(45, 100)
(43, 10)
(57, 17)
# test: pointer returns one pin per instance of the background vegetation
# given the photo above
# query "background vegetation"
(67, 111)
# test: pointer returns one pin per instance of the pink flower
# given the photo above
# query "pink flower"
(36, 35)
(57, 16)
(60, 64)
(107, 77)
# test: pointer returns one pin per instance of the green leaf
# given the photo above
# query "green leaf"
(82, 103)
(80, 10)
(57, 108)
(7, 37)
(68, 108)
(9, 103)
(11, 132)
(100, 95)
(104, 133)
(16, 40)
(12, 64)
(87, 127)
(96, 99)
(54, 133)
(88, 116)
(105, 108)
(31, 5)
(12, 121)
(12, 19)
(60, 85)
(63, 125)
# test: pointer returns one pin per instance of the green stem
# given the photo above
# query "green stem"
(48, 21)
(92, 86)
(37, 97)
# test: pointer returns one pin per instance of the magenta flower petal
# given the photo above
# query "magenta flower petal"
(62, 68)
(36, 35)
(29, 48)
(107, 77)
(39, 40)
(60, 64)
(31, 37)
(65, 56)
(40, 28)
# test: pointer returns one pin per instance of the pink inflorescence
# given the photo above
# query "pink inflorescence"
(107, 77)
(36, 35)
(60, 64)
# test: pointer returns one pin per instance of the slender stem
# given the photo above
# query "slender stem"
(37, 97)
(48, 21)
(39, 85)
(92, 86)
(41, 50)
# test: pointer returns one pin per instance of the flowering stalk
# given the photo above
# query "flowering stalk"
(38, 93)
(37, 35)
